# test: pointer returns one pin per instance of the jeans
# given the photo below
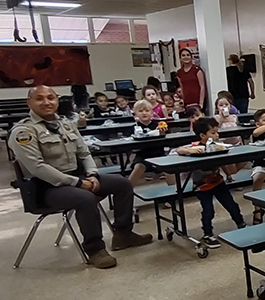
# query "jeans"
(87, 213)
(223, 195)
(242, 104)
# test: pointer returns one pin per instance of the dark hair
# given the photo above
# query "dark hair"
(258, 114)
(125, 98)
(227, 95)
(151, 80)
(219, 98)
(99, 94)
(65, 107)
(203, 125)
(80, 96)
(148, 87)
(185, 49)
(192, 110)
(236, 61)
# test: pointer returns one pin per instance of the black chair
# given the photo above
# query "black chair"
(44, 212)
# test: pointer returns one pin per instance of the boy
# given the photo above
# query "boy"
(258, 173)
(102, 109)
(144, 113)
(211, 184)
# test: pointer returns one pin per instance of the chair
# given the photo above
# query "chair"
(44, 212)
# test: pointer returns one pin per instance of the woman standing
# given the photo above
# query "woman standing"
(191, 80)
(238, 79)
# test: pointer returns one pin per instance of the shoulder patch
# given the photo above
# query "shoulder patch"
(23, 137)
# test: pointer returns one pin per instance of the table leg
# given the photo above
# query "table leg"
(248, 276)
(158, 221)
(122, 165)
(181, 206)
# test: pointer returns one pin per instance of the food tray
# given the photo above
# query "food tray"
(147, 137)
(209, 153)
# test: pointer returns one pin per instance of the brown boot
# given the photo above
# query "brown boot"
(103, 260)
(122, 240)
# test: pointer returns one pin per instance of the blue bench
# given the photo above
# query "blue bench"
(168, 194)
(244, 240)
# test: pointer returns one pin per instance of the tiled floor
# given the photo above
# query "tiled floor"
(160, 271)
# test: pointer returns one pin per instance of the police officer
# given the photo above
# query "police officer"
(49, 148)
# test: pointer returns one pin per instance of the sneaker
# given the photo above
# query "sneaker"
(103, 260)
(229, 178)
(162, 176)
(113, 159)
(241, 225)
(149, 176)
(129, 239)
(104, 161)
(258, 248)
(211, 241)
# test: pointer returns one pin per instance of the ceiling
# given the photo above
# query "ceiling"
(125, 8)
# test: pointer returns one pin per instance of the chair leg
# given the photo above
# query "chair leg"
(74, 237)
(28, 240)
(62, 231)
(111, 206)
(106, 217)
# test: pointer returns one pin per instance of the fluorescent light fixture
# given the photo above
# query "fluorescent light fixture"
(51, 4)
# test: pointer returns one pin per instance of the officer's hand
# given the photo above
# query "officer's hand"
(87, 185)
(95, 183)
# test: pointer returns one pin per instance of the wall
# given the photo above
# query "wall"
(179, 23)
(108, 62)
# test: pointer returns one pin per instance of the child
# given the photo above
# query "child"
(169, 104)
(193, 113)
(223, 106)
(102, 109)
(228, 95)
(211, 183)
(178, 94)
(179, 103)
(122, 106)
(144, 112)
(67, 108)
(151, 94)
(258, 173)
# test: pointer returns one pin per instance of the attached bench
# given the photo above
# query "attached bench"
(244, 240)
(113, 170)
(168, 194)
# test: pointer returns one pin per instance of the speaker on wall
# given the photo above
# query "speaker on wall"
(250, 62)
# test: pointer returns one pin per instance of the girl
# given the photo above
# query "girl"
(223, 106)
(191, 80)
(227, 95)
(67, 108)
(122, 106)
(151, 95)
(170, 104)
(193, 113)
(102, 109)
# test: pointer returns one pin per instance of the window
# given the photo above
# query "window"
(141, 31)
(111, 30)
(69, 30)
(24, 26)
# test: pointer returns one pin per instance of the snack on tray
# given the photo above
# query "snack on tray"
(219, 147)
(162, 125)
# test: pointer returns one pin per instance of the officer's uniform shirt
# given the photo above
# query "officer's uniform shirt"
(47, 155)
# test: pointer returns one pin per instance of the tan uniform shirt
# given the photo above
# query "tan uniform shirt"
(47, 155)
